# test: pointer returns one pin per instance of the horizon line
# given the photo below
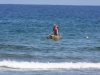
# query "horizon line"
(47, 4)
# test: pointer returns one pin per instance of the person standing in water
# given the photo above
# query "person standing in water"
(55, 29)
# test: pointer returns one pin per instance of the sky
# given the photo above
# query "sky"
(52, 2)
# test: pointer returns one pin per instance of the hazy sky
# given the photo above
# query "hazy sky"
(52, 2)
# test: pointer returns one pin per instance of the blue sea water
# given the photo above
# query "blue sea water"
(25, 49)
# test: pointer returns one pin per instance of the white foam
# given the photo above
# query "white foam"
(41, 66)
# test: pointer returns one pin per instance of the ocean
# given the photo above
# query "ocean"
(24, 48)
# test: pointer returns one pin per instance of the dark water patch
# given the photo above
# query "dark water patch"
(16, 56)
(21, 57)
(98, 48)
(17, 47)
(19, 31)
(11, 46)
(5, 23)
(94, 48)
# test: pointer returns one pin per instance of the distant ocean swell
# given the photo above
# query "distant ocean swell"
(7, 64)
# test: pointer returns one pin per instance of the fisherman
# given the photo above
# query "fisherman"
(55, 29)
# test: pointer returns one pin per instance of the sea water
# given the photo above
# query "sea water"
(24, 48)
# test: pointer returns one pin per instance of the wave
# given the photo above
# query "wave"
(47, 66)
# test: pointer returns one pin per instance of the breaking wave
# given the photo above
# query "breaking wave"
(7, 64)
